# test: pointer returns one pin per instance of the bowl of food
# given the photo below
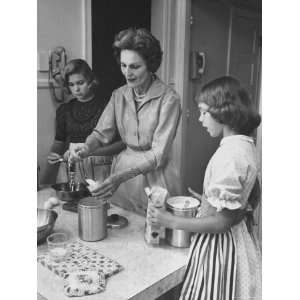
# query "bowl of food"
(45, 222)
(64, 191)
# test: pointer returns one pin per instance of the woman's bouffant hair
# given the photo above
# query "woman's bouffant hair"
(230, 104)
(79, 66)
(141, 41)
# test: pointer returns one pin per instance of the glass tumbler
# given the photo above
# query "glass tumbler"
(58, 246)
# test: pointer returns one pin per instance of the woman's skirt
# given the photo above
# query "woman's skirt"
(211, 269)
(223, 266)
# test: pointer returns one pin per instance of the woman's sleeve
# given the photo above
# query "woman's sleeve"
(106, 129)
(227, 183)
(164, 133)
(60, 125)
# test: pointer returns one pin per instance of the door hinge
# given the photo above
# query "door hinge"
(191, 20)
(187, 113)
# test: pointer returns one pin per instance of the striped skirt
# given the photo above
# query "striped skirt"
(211, 270)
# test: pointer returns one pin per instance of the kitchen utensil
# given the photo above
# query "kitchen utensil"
(83, 172)
(64, 192)
(58, 246)
(184, 207)
(92, 219)
(92, 163)
(45, 222)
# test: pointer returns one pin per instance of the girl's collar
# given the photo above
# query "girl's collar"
(236, 137)
(86, 100)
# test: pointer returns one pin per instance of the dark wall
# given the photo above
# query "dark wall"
(108, 18)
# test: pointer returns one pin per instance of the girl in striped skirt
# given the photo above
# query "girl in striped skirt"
(224, 260)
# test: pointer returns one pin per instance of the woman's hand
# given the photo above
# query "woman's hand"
(107, 187)
(159, 216)
(195, 194)
(53, 158)
(78, 151)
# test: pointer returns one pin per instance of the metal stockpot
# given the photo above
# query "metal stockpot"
(92, 219)
(183, 207)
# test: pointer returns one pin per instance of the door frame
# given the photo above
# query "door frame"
(87, 30)
(181, 78)
(175, 13)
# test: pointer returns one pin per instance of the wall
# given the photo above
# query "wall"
(209, 34)
(60, 23)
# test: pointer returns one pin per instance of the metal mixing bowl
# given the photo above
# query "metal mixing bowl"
(64, 193)
(45, 222)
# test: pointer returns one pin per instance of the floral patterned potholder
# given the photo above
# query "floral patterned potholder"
(81, 257)
(83, 282)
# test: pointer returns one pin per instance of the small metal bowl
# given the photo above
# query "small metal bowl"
(64, 193)
(45, 222)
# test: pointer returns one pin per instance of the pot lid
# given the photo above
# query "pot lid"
(116, 221)
(183, 202)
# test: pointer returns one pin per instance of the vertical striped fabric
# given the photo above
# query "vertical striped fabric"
(211, 270)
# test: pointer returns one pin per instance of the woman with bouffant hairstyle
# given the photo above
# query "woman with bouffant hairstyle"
(141, 41)
(146, 112)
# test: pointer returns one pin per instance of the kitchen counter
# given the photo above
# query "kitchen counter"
(149, 271)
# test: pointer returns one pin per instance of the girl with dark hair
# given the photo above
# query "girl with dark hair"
(224, 260)
(146, 112)
(76, 119)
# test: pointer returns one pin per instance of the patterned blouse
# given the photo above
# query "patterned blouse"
(75, 120)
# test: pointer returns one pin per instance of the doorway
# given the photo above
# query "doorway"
(108, 18)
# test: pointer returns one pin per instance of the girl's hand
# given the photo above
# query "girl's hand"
(159, 216)
(66, 155)
(107, 187)
(53, 158)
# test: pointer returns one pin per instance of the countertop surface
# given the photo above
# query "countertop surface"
(149, 271)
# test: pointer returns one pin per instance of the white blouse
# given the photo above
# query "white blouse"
(231, 173)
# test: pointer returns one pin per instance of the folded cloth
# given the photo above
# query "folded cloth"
(84, 282)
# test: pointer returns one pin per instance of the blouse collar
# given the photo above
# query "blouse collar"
(156, 89)
(237, 137)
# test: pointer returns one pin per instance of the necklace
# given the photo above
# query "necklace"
(137, 95)
(141, 96)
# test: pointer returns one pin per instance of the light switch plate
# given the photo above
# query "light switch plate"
(43, 61)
